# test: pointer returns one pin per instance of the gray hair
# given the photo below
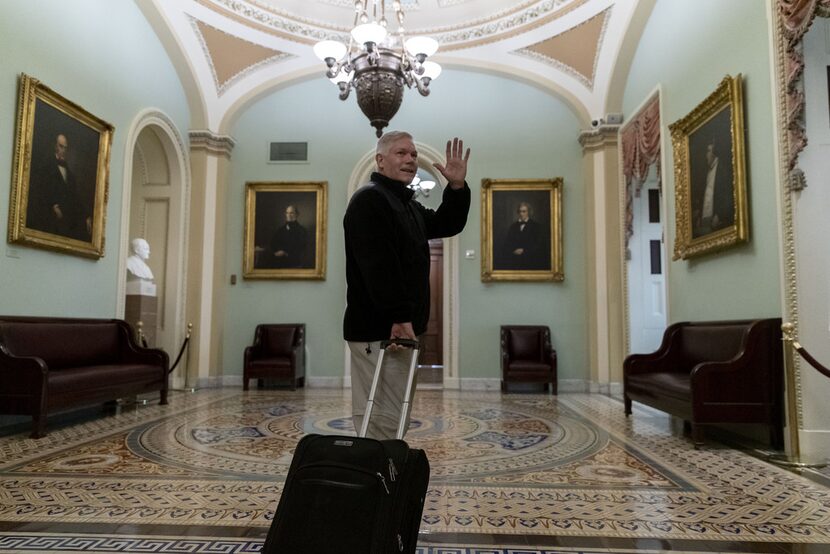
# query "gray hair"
(388, 138)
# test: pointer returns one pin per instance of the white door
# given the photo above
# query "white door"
(646, 271)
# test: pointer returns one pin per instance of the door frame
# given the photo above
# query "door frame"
(662, 187)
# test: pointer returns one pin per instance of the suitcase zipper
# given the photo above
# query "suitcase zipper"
(383, 481)
(349, 467)
(393, 471)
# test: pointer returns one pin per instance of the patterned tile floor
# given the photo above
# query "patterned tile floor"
(517, 473)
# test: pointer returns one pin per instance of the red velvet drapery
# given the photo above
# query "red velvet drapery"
(796, 16)
(640, 150)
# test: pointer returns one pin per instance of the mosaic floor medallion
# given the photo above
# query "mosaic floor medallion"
(512, 465)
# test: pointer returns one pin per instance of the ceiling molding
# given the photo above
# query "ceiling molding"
(232, 58)
(512, 26)
(575, 51)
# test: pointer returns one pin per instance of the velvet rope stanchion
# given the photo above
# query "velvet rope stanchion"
(181, 350)
(793, 458)
(185, 344)
(139, 334)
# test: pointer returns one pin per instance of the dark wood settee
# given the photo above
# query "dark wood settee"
(713, 372)
(49, 364)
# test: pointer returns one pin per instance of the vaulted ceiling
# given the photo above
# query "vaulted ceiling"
(229, 52)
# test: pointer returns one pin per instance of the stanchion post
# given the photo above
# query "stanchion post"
(188, 387)
(793, 458)
(788, 337)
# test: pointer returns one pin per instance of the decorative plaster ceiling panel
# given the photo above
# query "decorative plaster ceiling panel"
(407, 4)
(231, 57)
(576, 50)
(565, 46)
(449, 21)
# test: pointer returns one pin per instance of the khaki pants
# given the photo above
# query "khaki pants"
(391, 388)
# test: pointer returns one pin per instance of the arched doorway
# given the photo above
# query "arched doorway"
(155, 207)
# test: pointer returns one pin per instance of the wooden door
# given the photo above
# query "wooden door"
(432, 340)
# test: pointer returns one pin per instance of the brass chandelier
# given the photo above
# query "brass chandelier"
(378, 64)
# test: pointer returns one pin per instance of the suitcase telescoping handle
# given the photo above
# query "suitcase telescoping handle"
(370, 404)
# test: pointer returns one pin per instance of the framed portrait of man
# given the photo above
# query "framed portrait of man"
(60, 173)
(285, 230)
(521, 230)
(710, 177)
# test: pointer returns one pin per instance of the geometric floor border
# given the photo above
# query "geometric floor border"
(99, 544)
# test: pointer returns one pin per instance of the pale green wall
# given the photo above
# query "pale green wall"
(515, 131)
(688, 47)
(104, 56)
(117, 67)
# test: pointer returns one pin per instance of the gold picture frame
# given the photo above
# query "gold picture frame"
(521, 230)
(710, 174)
(285, 230)
(60, 174)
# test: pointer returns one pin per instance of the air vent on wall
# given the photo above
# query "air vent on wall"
(288, 152)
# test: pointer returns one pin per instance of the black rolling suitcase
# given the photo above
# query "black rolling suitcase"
(353, 495)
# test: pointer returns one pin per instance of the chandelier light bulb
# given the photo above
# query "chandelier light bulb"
(369, 32)
(330, 49)
(422, 46)
(431, 70)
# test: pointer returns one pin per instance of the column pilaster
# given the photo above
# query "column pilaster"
(604, 260)
(210, 155)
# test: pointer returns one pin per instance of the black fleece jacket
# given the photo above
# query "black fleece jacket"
(387, 255)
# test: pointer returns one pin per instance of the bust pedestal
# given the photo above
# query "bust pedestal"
(142, 305)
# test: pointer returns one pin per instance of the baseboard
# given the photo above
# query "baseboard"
(479, 384)
(611, 389)
(326, 382)
(452, 383)
(814, 444)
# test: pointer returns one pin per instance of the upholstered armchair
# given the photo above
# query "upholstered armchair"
(278, 352)
(527, 356)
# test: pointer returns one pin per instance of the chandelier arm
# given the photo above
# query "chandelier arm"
(423, 87)
(334, 68)
(345, 88)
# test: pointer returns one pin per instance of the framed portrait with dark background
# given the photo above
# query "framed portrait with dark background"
(521, 230)
(60, 173)
(710, 177)
(285, 230)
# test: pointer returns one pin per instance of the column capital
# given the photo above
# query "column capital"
(599, 137)
(220, 145)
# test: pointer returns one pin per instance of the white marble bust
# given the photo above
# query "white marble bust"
(137, 267)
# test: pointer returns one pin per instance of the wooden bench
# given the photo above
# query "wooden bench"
(713, 372)
(49, 364)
